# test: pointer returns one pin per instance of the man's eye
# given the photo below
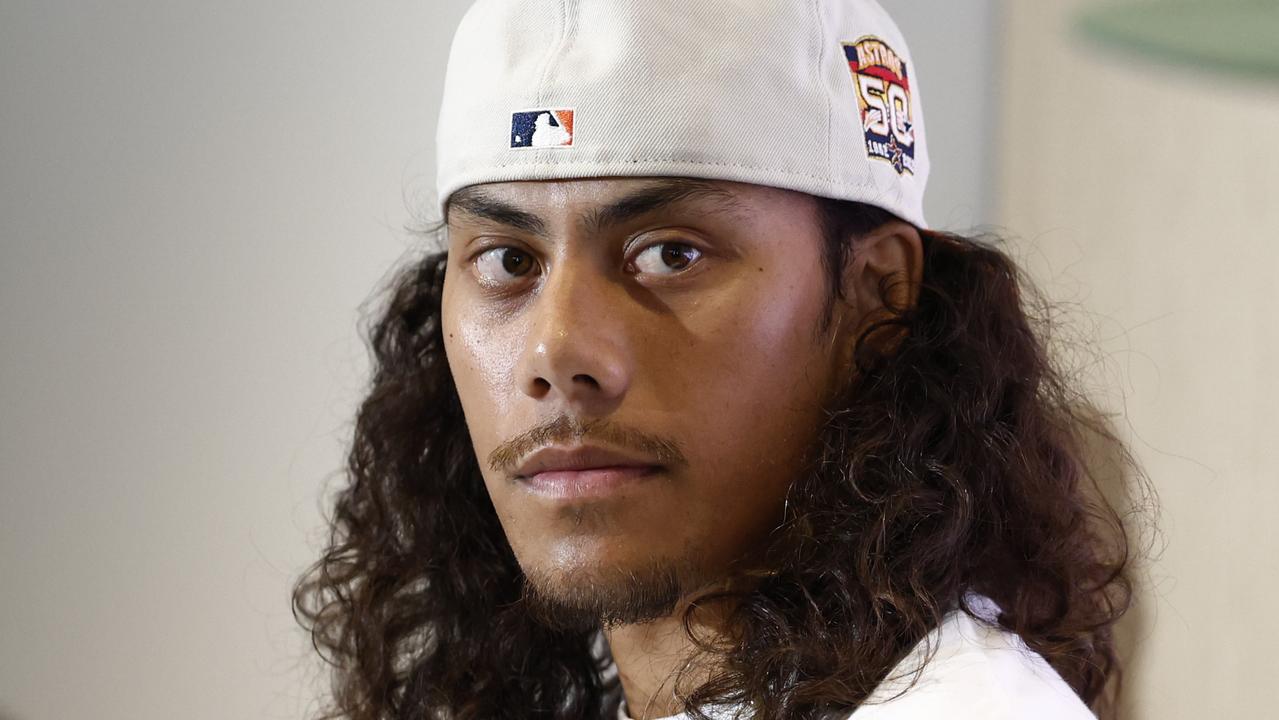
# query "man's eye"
(498, 265)
(666, 258)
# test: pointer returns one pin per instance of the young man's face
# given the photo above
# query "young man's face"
(675, 321)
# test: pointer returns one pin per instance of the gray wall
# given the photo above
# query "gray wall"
(195, 199)
(955, 45)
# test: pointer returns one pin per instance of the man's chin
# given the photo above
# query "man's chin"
(582, 599)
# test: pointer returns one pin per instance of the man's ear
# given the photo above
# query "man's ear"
(891, 255)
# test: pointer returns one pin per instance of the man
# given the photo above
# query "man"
(693, 414)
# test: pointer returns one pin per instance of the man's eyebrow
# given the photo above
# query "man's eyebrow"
(474, 201)
(660, 194)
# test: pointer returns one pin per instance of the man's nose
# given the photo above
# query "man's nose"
(577, 346)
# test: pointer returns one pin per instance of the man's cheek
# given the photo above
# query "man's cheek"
(758, 348)
(483, 359)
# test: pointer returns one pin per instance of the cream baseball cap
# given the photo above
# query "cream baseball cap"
(819, 96)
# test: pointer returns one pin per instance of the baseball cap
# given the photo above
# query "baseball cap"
(818, 96)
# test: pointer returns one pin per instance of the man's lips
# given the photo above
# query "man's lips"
(586, 470)
(585, 483)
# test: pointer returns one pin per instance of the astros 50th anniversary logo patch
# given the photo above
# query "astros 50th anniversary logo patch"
(882, 82)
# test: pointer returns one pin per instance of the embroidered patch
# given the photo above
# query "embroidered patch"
(883, 97)
(542, 128)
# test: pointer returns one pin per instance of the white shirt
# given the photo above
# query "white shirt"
(978, 672)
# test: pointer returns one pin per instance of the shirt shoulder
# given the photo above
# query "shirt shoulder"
(980, 670)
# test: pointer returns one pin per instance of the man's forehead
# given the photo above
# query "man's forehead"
(600, 190)
(601, 201)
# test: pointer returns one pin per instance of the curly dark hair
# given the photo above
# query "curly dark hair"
(957, 458)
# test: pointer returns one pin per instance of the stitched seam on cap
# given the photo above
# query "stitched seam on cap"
(551, 54)
(635, 161)
(819, 71)
(571, 23)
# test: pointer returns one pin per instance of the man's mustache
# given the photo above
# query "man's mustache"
(506, 456)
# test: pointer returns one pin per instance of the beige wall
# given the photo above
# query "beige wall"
(195, 198)
(1148, 196)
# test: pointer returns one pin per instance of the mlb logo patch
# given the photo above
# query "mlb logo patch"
(542, 128)
(882, 84)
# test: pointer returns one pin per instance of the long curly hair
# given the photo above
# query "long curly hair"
(956, 458)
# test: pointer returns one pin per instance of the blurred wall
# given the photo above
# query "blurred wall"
(195, 199)
(1144, 197)
(955, 46)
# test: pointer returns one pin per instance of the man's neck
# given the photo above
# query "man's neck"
(651, 656)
